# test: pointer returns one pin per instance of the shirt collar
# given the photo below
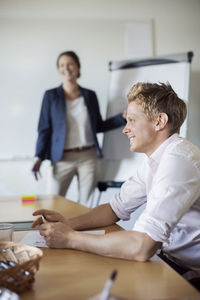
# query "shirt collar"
(157, 154)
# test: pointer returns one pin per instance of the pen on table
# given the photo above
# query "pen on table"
(107, 287)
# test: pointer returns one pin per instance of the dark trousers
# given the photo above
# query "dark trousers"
(179, 269)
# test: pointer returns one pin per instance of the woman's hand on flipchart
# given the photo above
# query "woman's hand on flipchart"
(36, 169)
(49, 215)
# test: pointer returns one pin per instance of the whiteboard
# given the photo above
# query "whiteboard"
(123, 75)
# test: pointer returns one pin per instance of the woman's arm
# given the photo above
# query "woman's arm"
(109, 124)
(44, 129)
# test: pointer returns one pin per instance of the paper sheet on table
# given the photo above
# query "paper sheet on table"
(33, 238)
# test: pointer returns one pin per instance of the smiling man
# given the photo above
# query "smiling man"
(168, 181)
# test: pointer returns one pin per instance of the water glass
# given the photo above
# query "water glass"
(6, 231)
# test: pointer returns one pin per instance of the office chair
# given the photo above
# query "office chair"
(104, 185)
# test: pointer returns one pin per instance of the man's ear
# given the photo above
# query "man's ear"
(161, 121)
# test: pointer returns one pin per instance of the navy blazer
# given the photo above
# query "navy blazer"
(52, 123)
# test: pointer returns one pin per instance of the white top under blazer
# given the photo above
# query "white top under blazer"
(79, 133)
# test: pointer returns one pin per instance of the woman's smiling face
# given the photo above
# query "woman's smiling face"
(68, 68)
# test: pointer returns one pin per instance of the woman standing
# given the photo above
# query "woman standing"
(68, 123)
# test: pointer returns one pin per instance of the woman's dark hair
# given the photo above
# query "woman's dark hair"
(74, 56)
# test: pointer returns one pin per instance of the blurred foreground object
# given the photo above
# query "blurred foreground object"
(18, 265)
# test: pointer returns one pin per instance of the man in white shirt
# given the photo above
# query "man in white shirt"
(168, 181)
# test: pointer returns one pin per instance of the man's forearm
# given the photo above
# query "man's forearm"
(123, 244)
(102, 215)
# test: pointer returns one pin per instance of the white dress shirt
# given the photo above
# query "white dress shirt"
(169, 182)
(79, 132)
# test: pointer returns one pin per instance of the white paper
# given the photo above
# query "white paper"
(33, 238)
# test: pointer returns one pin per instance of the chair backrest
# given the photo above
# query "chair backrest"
(104, 185)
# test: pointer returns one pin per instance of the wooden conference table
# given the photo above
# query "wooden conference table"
(69, 274)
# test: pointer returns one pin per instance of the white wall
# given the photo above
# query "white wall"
(27, 62)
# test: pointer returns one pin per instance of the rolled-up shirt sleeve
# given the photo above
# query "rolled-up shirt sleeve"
(174, 190)
(131, 196)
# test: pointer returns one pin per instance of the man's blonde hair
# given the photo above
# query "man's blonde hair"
(159, 98)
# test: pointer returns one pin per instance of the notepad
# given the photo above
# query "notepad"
(34, 238)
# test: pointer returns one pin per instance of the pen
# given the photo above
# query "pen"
(107, 287)
(43, 218)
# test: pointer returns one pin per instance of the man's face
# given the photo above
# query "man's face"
(140, 130)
